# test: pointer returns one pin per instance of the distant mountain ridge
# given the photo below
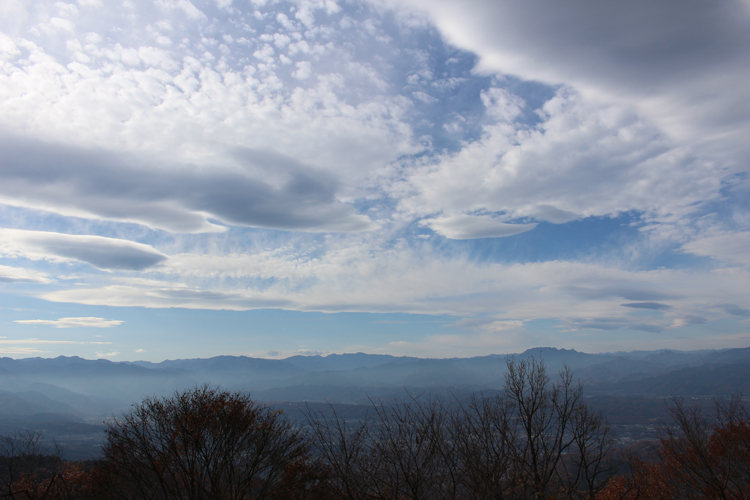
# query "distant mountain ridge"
(638, 373)
(56, 393)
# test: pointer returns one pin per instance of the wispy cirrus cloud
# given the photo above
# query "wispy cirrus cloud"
(727, 247)
(21, 351)
(9, 274)
(85, 322)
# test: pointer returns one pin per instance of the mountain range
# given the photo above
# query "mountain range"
(85, 392)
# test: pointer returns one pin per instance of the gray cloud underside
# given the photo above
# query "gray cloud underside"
(100, 252)
(101, 184)
(624, 292)
(611, 324)
(735, 310)
(656, 306)
(104, 254)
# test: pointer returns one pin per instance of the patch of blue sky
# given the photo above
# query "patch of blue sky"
(172, 333)
(535, 95)
(734, 201)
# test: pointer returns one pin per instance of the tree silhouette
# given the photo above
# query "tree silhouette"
(708, 455)
(204, 444)
(536, 440)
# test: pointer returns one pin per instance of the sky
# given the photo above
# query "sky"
(192, 178)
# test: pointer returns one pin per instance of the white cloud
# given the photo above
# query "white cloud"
(466, 227)
(353, 277)
(167, 113)
(661, 57)
(184, 5)
(424, 97)
(10, 274)
(21, 351)
(111, 354)
(303, 71)
(581, 160)
(37, 341)
(733, 248)
(73, 322)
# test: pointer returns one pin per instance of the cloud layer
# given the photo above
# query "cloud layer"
(100, 252)
(497, 165)
(73, 322)
(679, 63)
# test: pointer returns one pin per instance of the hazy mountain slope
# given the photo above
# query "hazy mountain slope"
(322, 377)
(705, 381)
(335, 362)
(30, 403)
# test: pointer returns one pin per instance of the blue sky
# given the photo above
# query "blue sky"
(192, 178)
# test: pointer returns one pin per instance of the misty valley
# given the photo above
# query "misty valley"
(70, 398)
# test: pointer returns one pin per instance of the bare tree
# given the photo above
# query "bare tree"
(559, 445)
(29, 468)
(343, 447)
(590, 464)
(707, 453)
(204, 444)
(482, 437)
(536, 440)
(401, 450)
(411, 446)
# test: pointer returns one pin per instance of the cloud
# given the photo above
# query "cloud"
(22, 351)
(345, 119)
(100, 252)
(659, 56)
(88, 183)
(309, 352)
(351, 277)
(735, 310)
(159, 121)
(580, 160)
(184, 5)
(552, 214)
(73, 322)
(171, 295)
(487, 324)
(728, 247)
(656, 306)
(467, 227)
(303, 70)
(18, 275)
(111, 354)
(611, 324)
(37, 341)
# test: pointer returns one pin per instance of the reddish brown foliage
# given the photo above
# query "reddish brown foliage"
(701, 457)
